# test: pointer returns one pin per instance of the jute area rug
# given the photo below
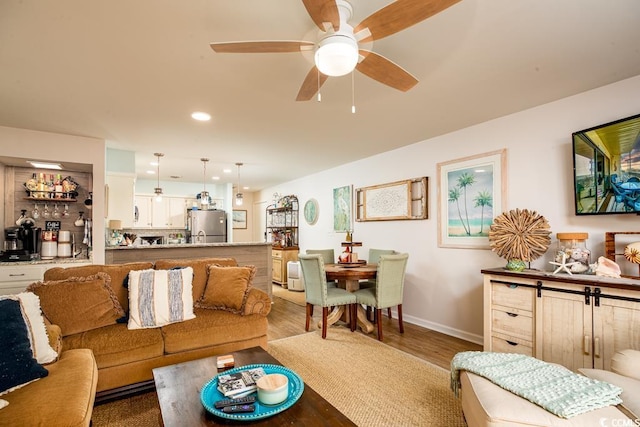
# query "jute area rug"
(371, 383)
(296, 297)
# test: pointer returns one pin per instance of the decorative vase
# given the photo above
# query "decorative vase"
(516, 265)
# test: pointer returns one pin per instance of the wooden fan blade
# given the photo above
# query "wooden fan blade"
(322, 11)
(386, 72)
(399, 15)
(311, 84)
(271, 46)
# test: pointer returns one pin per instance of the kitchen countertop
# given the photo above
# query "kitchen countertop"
(46, 261)
(185, 245)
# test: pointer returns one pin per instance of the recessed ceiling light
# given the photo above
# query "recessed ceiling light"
(201, 116)
(43, 165)
(215, 178)
(150, 172)
(226, 170)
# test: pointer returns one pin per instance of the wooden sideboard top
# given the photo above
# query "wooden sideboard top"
(575, 279)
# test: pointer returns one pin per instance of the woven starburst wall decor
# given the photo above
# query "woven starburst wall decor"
(520, 234)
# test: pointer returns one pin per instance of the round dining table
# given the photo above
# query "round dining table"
(348, 277)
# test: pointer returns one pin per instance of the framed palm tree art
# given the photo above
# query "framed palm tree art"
(471, 193)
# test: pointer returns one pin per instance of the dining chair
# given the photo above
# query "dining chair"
(374, 258)
(388, 290)
(318, 293)
(328, 256)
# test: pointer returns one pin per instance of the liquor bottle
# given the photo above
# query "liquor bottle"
(58, 186)
(42, 186)
(51, 188)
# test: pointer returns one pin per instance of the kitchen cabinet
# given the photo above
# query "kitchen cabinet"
(576, 321)
(279, 259)
(176, 212)
(15, 278)
(143, 211)
(120, 198)
(170, 212)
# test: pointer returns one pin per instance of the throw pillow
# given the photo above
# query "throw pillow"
(159, 297)
(227, 288)
(17, 364)
(78, 304)
(42, 351)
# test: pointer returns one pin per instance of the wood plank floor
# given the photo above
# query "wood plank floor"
(287, 319)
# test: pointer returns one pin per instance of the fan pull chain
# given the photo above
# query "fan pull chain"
(319, 94)
(353, 93)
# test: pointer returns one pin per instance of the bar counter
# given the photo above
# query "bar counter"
(245, 253)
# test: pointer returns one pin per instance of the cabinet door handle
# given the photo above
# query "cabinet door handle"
(512, 314)
(596, 347)
(587, 345)
(16, 275)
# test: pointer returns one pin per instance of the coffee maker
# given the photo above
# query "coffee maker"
(21, 243)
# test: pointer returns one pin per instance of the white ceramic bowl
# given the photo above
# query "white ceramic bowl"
(273, 389)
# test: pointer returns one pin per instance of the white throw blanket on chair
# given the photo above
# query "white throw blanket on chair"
(552, 387)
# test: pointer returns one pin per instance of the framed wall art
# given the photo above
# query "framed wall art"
(342, 203)
(239, 219)
(471, 193)
(393, 201)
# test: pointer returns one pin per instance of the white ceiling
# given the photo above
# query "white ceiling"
(131, 72)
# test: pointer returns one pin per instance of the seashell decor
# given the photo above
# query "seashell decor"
(632, 252)
(607, 268)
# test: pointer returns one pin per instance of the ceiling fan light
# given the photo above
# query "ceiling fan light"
(336, 55)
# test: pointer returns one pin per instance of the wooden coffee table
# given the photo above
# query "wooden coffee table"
(178, 387)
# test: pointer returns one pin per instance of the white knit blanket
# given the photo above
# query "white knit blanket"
(552, 387)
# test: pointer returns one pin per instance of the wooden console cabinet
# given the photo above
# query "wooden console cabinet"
(576, 321)
(280, 257)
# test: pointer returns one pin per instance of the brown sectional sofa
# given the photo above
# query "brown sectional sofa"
(65, 395)
(125, 358)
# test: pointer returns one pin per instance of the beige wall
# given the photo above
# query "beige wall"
(46, 146)
(443, 288)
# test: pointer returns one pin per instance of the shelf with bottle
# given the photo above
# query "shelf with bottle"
(41, 187)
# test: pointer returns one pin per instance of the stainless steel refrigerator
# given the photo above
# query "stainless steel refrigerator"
(207, 226)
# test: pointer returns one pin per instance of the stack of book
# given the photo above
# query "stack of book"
(239, 384)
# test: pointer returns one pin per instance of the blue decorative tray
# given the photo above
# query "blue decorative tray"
(210, 394)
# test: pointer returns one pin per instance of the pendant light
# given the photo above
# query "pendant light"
(158, 190)
(239, 193)
(205, 200)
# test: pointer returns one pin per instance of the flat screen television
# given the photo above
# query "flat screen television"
(606, 168)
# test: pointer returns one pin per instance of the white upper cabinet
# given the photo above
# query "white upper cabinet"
(170, 212)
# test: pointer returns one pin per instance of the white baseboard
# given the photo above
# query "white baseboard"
(463, 335)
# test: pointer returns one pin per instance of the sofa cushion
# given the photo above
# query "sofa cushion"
(117, 272)
(200, 267)
(210, 328)
(116, 345)
(34, 321)
(64, 398)
(18, 367)
(78, 304)
(630, 387)
(227, 288)
(160, 297)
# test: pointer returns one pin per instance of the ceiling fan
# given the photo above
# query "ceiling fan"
(341, 48)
